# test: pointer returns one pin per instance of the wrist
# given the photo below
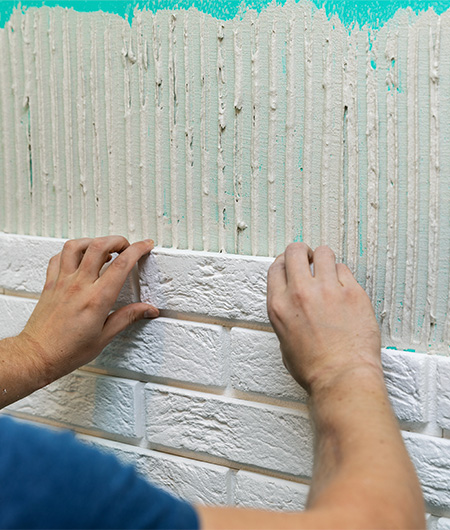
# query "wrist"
(32, 357)
(348, 377)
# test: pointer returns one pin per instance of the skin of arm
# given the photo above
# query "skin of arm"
(330, 342)
(72, 322)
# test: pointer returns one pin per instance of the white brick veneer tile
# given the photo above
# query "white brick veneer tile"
(254, 490)
(89, 401)
(24, 260)
(431, 457)
(218, 285)
(254, 434)
(197, 482)
(14, 313)
(173, 349)
(256, 365)
(405, 377)
(443, 392)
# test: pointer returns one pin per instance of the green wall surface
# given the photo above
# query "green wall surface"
(371, 12)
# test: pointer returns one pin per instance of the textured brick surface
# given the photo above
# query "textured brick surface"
(226, 286)
(405, 376)
(431, 457)
(256, 365)
(443, 523)
(172, 349)
(197, 482)
(443, 392)
(14, 313)
(254, 490)
(248, 433)
(24, 260)
(88, 401)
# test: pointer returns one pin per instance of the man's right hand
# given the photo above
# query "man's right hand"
(325, 322)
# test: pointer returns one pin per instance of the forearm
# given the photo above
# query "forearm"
(361, 463)
(22, 371)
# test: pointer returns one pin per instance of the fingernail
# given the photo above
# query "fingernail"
(151, 313)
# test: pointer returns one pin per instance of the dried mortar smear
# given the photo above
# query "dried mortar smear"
(240, 136)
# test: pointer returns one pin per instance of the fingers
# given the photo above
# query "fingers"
(276, 278)
(123, 317)
(324, 264)
(99, 252)
(111, 282)
(298, 257)
(344, 274)
(72, 254)
(52, 271)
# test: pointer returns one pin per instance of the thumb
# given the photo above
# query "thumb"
(125, 316)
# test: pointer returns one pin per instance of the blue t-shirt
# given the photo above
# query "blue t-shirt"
(51, 480)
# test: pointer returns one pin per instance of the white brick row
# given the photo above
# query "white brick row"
(194, 481)
(207, 354)
(431, 458)
(205, 483)
(252, 434)
(186, 281)
(88, 401)
(254, 490)
(172, 349)
(217, 285)
(24, 261)
(256, 366)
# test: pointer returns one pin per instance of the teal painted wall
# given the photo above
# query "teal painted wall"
(372, 12)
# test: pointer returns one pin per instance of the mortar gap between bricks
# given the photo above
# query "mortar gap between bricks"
(218, 321)
(224, 462)
(121, 373)
(21, 294)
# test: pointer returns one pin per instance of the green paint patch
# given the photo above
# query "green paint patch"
(391, 348)
(373, 13)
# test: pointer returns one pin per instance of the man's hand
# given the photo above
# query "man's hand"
(71, 323)
(325, 323)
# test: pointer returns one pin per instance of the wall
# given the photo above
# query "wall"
(240, 136)
(224, 140)
(199, 399)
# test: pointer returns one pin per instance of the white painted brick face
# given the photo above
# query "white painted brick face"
(217, 285)
(256, 365)
(405, 377)
(197, 482)
(443, 393)
(253, 490)
(88, 401)
(248, 433)
(431, 457)
(24, 260)
(14, 313)
(172, 349)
